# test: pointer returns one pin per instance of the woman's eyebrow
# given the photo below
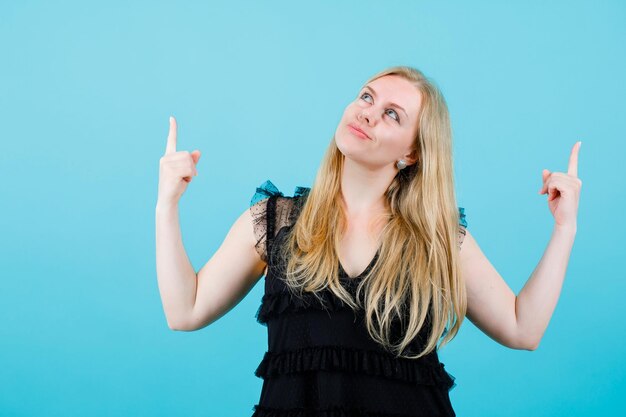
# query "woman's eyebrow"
(391, 104)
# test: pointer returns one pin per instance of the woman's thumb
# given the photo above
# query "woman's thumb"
(195, 155)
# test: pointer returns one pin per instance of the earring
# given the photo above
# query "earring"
(401, 164)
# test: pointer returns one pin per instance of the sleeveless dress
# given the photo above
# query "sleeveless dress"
(321, 361)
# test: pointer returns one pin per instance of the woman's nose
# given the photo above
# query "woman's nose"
(363, 116)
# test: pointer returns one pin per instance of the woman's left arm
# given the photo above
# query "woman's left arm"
(520, 321)
(537, 300)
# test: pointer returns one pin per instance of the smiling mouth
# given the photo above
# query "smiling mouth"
(358, 132)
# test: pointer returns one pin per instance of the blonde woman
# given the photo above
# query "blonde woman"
(368, 272)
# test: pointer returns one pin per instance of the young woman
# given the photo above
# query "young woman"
(364, 272)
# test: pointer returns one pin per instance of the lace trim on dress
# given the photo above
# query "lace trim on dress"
(339, 358)
(271, 210)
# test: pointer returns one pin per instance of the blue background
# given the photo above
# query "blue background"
(85, 94)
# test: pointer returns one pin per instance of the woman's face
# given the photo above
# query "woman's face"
(386, 111)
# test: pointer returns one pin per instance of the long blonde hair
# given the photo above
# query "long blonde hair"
(422, 220)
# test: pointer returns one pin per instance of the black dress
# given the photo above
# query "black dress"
(321, 361)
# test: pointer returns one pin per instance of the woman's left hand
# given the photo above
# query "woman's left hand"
(564, 191)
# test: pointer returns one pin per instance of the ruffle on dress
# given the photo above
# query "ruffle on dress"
(268, 189)
(462, 219)
(276, 304)
(339, 358)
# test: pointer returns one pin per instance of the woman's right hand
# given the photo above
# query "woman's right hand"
(176, 169)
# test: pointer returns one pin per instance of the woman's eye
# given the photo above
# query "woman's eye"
(365, 94)
(397, 118)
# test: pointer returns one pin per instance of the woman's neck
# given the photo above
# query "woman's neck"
(363, 189)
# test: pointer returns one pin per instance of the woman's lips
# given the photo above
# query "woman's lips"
(358, 132)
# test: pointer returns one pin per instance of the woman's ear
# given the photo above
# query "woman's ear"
(411, 157)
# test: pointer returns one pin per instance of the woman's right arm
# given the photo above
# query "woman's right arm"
(192, 301)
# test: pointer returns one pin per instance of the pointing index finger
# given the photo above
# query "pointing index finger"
(171, 137)
(572, 168)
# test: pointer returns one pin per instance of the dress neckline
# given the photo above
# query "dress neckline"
(344, 274)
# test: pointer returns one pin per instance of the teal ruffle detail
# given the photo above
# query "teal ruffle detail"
(462, 220)
(268, 189)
